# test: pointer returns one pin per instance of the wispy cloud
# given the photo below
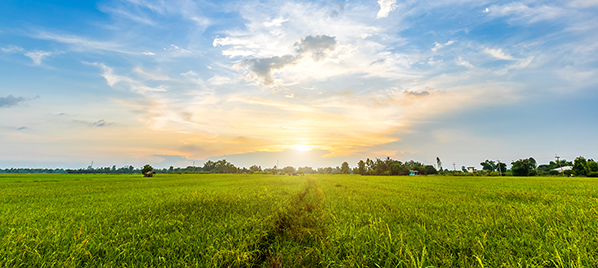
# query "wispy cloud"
(80, 43)
(36, 56)
(11, 49)
(11, 100)
(99, 123)
(519, 11)
(499, 54)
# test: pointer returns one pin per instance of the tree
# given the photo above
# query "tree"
(439, 164)
(147, 168)
(580, 166)
(502, 167)
(288, 170)
(345, 168)
(429, 170)
(255, 168)
(361, 167)
(488, 165)
(464, 169)
(524, 167)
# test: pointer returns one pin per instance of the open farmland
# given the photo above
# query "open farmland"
(310, 221)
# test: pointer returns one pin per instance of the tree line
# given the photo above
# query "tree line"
(381, 167)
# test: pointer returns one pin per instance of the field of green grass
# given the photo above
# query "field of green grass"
(297, 221)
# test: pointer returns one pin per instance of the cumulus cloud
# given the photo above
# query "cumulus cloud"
(36, 56)
(313, 47)
(316, 47)
(386, 6)
(11, 100)
(263, 68)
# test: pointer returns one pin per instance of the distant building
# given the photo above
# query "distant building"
(149, 174)
(471, 169)
(413, 172)
(561, 169)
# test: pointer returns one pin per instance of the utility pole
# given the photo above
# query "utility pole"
(557, 160)
(454, 168)
(499, 171)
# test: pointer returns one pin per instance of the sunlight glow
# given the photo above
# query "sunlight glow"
(303, 148)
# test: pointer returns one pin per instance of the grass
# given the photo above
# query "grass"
(299, 221)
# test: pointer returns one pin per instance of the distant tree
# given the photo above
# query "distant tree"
(328, 170)
(438, 164)
(361, 167)
(488, 165)
(147, 168)
(398, 169)
(592, 165)
(524, 167)
(345, 168)
(288, 170)
(255, 168)
(580, 166)
(502, 167)
(301, 170)
(464, 169)
(430, 170)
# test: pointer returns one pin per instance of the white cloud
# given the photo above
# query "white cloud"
(128, 15)
(81, 43)
(499, 54)
(156, 76)
(460, 61)
(275, 22)
(583, 3)
(519, 65)
(176, 48)
(11, 49)
(519, 11)
(36, 56)
(438, 46)
(219, 80)
(386, 6)
(290, 96)
(131, 84)
(149, 53)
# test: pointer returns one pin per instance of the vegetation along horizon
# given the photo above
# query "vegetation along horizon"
(314, 220)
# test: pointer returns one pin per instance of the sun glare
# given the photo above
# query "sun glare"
(303, 148)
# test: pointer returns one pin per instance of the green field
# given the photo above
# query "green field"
(297, 221)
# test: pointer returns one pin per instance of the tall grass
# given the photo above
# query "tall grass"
(299, 221)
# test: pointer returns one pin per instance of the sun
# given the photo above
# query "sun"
(301, 147)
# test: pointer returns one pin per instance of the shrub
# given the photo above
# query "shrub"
(593, 174)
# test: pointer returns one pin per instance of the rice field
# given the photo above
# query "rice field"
(297, 221)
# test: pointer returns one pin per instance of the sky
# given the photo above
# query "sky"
(316, 83)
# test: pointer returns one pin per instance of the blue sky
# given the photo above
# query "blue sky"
(302, 82)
